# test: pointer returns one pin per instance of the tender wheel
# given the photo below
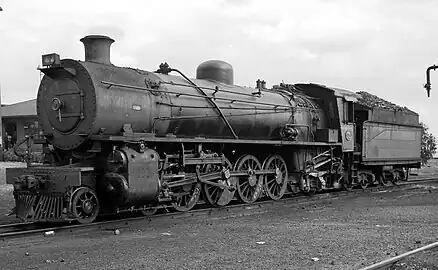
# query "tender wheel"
(406, 172)
(398, 175)
(363, 180)
(345, 183)
(85, 205)
(385, 179)
(188, 196)
(275, 185)
(214, 195)
(250, 185)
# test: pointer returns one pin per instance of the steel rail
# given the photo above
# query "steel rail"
(388, 262)
(294, 199)
(176, 215)
(7, 225)
(14, 228)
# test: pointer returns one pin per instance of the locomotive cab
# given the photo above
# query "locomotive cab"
(379, 144)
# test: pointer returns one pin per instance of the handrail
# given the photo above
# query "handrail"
(210, 88)
(168, 118)
(390, 261)
(233, 100)
(212, 102)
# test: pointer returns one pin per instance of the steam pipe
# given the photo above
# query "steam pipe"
(428, 85)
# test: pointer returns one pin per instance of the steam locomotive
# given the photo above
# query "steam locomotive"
(123, 139)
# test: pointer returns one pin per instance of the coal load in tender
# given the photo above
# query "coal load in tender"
(373, 101)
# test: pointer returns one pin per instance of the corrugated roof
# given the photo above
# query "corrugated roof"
(25, 108)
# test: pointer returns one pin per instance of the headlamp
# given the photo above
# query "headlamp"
(51, 59)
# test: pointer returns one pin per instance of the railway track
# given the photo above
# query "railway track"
(385, 264)
(16, 230)
(23, 228)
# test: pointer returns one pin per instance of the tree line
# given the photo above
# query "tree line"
(428, 145)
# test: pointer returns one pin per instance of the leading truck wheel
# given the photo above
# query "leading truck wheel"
(85, 205)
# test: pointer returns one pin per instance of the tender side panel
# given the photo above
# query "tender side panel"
(386, 142)
(394, 117)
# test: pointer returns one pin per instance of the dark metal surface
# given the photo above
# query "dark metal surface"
(215, 70)
(34, 207)
(94, 97)
(67, 126)
(84, 205)
(212, 100)
(428, 85)
(97, 48)
(249, 185)
(135, 182)
(215, 195)
(276, 184)
(49, 179)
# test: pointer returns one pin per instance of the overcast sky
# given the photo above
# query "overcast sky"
(382, 47)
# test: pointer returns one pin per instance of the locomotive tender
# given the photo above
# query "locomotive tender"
(123, 139)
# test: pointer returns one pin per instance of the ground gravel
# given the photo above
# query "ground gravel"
(343, 233)
(6, 204)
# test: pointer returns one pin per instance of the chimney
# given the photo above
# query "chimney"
(97, 48)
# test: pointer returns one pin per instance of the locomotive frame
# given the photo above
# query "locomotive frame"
(202, 137)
